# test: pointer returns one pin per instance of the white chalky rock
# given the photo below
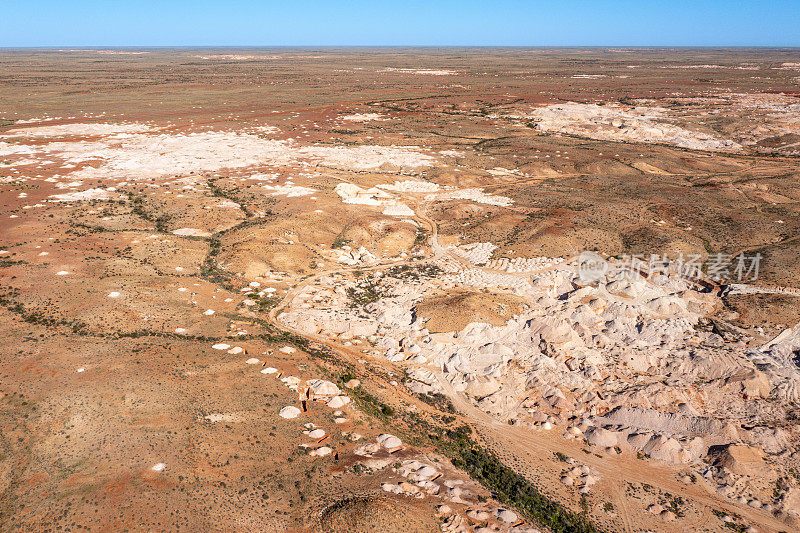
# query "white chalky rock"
(180, 331)
(62, 273)
(321, 452)
(317, 433)
(615, 123)
(320, 387)
(114, 294)
(389, 441)
(457, 494)
(290, 411)
(601, 437)
(366, 450)
(235, 350)
(209, 312)
(287, 349)
(221, 346)
(269, 370)
(398, 210)
(391, 487)
(252, 361)
(362, 117)
(429, 486)
(478, 515)
(444, 510)
(158, 467)
(417, 471)
(338, 401)
(191, 232)
(395, 357)
(507, 516)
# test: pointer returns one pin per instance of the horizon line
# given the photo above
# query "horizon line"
(524, 46)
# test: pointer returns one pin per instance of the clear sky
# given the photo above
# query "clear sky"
(396, 23)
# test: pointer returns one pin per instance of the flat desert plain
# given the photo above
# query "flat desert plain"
(362, 289)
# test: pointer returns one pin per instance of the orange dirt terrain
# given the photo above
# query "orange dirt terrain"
(345, 290)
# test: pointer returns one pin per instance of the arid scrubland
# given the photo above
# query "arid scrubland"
(348, 290)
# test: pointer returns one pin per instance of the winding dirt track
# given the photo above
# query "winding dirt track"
(614, 470)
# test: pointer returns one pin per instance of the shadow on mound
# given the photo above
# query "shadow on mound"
(372, 514)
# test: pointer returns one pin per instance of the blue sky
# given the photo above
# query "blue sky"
(394, 23)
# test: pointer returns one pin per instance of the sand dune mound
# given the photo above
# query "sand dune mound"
(368, 515)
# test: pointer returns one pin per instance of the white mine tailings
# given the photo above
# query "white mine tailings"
(388, 195)
(353, 194)
(620, 363)
(613, 123)
(136, 151)
(363, 117)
